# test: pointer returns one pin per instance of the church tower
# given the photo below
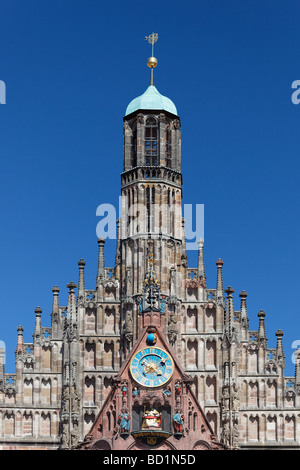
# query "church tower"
(151, 189)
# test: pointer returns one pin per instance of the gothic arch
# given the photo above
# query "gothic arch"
(45, 423)
(90, 353)
(18, 422)
(253, 393)
(101, 444)
(210, 319)
(212, 418)
(202, 445)
(272, 390)
(27, 423)
(192, 353)
(253, 427)
(9, 423)
(110, 319)
(28, 390)
(289, 424)
(211, 389)
(90, 319)
(88, 421)
(252, 360)
(46, 357)
(272, 427)
(108, 359)
(191, 319)
(89, 390)
(211, 353)
(46, 390)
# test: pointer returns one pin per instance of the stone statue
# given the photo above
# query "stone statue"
(178, 422)
(226, 435)
(124, 421)
(167, 392)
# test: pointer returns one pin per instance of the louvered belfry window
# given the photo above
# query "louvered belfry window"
(134, 148)
(168, 148)
(151, 142)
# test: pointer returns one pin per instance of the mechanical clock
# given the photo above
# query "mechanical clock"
(151, 367)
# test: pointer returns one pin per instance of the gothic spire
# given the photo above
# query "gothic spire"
(244, 317)
(201, 265)
(101, 262)
(55, 317)
(244, 320)
(229, 312)
(71, 302)
(261, 327)
(279, 347)
(20, 330)
(38, 325)
(219, 290)
(219, 264)
(55, 301)
(81, 283)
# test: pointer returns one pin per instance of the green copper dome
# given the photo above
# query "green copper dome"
(151, 99)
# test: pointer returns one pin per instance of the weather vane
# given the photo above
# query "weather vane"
(152, 61)
(152, 40)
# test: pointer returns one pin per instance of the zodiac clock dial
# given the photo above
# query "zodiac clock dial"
(151, 367)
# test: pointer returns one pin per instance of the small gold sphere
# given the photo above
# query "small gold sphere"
(152, 62)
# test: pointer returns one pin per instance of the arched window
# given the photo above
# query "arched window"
(150, 205)
(134, 148)
(168, 147)
(195, 424)
(151, 142)
(108, 420)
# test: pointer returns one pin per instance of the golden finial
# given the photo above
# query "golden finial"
(152, 61)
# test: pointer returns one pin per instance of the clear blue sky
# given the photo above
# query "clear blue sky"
(72, 67)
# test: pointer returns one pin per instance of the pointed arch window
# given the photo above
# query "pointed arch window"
(134, 148)
(168, 147)
(151, 142)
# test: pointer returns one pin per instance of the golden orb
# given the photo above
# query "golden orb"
(152, 62)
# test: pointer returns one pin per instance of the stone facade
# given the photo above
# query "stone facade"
(73, 384)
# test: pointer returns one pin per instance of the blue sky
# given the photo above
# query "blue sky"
(72, 67)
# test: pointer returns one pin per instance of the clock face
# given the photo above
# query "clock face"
(151, 367)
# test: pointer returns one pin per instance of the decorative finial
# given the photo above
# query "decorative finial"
(71, 286)
(38, 311)
(152, 61)
(20, 330)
